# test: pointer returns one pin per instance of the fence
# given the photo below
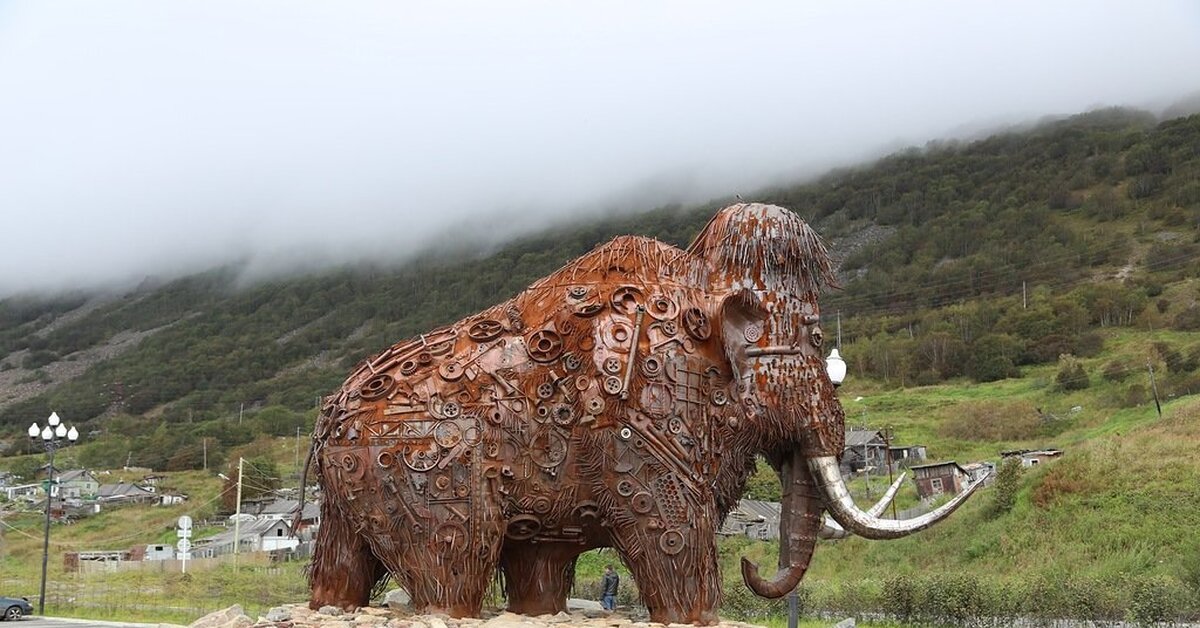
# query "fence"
(172, 565)
(152, 593)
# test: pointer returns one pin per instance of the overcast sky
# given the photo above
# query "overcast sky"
(147, 137)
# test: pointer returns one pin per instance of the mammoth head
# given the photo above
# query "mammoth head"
(766, 267)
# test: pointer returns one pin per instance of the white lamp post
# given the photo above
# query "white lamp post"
(835, 367)
(52, 435)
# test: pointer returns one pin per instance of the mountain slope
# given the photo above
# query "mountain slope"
(1101, 195)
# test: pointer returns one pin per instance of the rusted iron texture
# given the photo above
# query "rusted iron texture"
(618, 402)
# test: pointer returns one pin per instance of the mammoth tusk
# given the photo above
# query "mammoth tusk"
(832, 531)
(841, 506)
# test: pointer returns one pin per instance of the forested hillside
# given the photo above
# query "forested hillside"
(958, 260)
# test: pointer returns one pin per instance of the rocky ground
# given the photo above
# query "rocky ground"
(583, 615)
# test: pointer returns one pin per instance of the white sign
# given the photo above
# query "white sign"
(184, 530)
(184, 546)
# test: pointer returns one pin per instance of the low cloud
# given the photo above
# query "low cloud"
(149, 138)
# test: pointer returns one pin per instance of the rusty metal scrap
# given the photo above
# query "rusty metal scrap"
(618, 402)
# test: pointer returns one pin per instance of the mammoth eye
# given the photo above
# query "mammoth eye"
(816, 337)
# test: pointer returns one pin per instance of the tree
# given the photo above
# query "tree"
(992, 357)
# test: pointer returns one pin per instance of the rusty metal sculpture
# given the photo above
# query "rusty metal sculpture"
(618, 402)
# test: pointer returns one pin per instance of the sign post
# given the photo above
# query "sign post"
(184, 532)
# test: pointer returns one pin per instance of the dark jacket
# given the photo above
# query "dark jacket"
(609, 585)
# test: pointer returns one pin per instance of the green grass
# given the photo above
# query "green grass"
(1120, 504)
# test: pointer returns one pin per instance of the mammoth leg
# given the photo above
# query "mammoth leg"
(674, 565)
(344, 570)
(537, 579)
(447, 563)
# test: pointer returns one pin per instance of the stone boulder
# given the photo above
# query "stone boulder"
(232, 617)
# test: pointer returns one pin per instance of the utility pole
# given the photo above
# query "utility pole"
(1154, 387)
(296, 464)
(204, 440)
(1024, 300)
(241, 410)
(866, 467)
(237, 515)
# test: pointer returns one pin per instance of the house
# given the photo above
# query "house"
(78, 483)
(754, 519)
(45, 471)
(160, 551)
(256, 535)
(1032, 457)
(68, 509)
(125, 493)
(865, 450)
(152, 480)
(985, 471)
(942, 477)
(171, 499)
(907, 455)
(285, 510)
(28, 492)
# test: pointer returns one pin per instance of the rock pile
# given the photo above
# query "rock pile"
(583, 615)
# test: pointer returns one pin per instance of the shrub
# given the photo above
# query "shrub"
(1155, 599)
(992, 420)
(1187, 320)
(1008, 484)
(1115, 371)
(1071, 374)
(1135, 396)
(900, 598)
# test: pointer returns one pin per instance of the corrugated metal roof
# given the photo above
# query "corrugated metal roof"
(938, 464)
(248, 529)
(858, 438)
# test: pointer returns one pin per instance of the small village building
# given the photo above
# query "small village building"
(78, 484)
(865, 451)
(158, 551)
(256, 535)
(980, 470)
(171, 499)
(25, 492)
(125, 493)
(1032, 457)
(754, 519)
(907, 455)
(285, 510)
(938, 478)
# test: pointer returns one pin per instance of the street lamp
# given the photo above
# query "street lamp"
(52, 436)
(835, 367)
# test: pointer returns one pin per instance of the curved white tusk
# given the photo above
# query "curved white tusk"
(841, 505)
(832, 531)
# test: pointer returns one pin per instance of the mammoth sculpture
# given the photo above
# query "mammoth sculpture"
(619, 402)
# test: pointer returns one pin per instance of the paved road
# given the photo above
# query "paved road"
(56, 622)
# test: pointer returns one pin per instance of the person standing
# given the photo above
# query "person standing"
(608, 588)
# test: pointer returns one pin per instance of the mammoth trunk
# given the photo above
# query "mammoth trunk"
(799, 523)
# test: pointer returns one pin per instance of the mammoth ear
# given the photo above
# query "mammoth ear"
(741, 316)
